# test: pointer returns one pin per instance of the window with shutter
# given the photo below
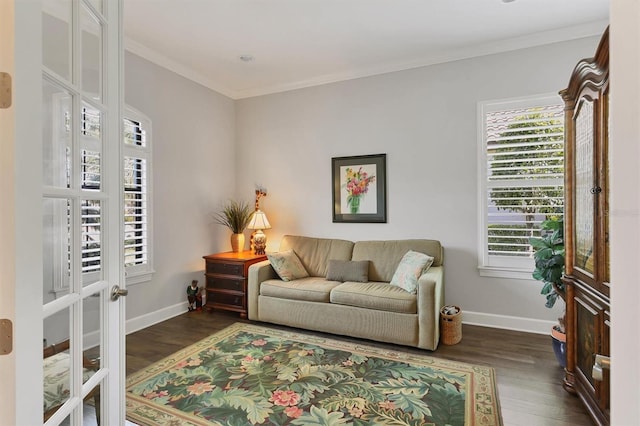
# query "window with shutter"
(136, 190)
(521, 182)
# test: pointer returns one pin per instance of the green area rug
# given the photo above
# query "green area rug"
(252, 375)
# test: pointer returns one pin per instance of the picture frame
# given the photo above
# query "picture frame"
(359, 186)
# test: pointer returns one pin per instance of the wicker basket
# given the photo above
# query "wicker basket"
(450, 325)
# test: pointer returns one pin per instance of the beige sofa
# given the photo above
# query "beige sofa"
(373, 310)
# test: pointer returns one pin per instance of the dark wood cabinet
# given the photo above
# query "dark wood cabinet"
(226, 280)
(586, 278)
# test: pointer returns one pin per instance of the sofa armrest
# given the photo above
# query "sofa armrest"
(258, 272)
(430, 300)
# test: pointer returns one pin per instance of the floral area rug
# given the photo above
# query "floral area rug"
(253, 375)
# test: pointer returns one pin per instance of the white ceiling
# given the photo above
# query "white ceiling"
(300, 43)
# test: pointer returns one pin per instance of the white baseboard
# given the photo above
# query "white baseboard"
(147, 320)
(506, 322)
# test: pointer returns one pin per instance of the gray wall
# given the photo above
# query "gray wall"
(425, 121)
(193, 134)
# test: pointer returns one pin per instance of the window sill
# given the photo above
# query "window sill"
(138, 277)
(501, 272)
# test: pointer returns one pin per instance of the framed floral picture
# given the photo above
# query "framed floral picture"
(360, 188)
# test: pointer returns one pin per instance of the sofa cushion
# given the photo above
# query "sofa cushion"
(375, 295)
(348, 270)
(314, 253)
(384, 256)
(412, 265)
(311, 289)
(287, 265)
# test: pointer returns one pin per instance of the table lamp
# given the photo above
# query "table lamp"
(259, 222)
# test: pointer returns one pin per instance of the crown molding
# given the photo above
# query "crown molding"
(532, 40)
(186, 72)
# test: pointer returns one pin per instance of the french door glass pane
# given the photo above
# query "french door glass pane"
(56, 361)
(56, 37)
(91, 243)
(91, 40)
(91, 147)
(91, 334)
(56, 135)
(56, 250)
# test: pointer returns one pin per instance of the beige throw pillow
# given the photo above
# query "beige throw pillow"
(287, 265)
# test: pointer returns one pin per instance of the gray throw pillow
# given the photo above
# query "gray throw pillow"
(348, 270)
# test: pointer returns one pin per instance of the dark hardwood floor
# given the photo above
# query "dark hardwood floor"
(529, 378)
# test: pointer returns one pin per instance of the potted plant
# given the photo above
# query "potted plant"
(235, 215)
(549, 261)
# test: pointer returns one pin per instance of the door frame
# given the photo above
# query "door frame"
(23, 262)
(7, 216)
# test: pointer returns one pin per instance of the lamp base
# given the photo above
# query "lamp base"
(259, 242)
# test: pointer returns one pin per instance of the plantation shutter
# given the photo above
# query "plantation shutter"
(524, 179)
(136, 201)
(90, 167)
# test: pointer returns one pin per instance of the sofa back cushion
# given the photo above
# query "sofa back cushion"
(385, 256)
(314, 253)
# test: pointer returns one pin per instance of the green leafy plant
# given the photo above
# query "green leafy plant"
(234, 215)
(549, 261)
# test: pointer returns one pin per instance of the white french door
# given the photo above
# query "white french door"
(64, 132)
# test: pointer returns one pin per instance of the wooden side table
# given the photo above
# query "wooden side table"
(226, 279)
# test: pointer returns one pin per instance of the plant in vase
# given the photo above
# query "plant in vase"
(549, 261)
(357, 184)
(235, 216)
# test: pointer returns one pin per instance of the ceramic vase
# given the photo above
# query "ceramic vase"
(237, 242)
(559, 344)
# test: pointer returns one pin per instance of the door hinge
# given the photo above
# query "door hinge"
(6, 336)
(5, 90)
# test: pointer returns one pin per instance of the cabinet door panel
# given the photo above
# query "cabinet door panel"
(591, 339)
(587, 337)
(604, 387)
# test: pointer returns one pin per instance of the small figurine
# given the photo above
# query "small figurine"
(194, 296)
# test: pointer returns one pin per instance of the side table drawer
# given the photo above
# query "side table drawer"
(229, 300)
(225, 268)
(220, 283)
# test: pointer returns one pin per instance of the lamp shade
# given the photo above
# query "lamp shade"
(259, 221)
